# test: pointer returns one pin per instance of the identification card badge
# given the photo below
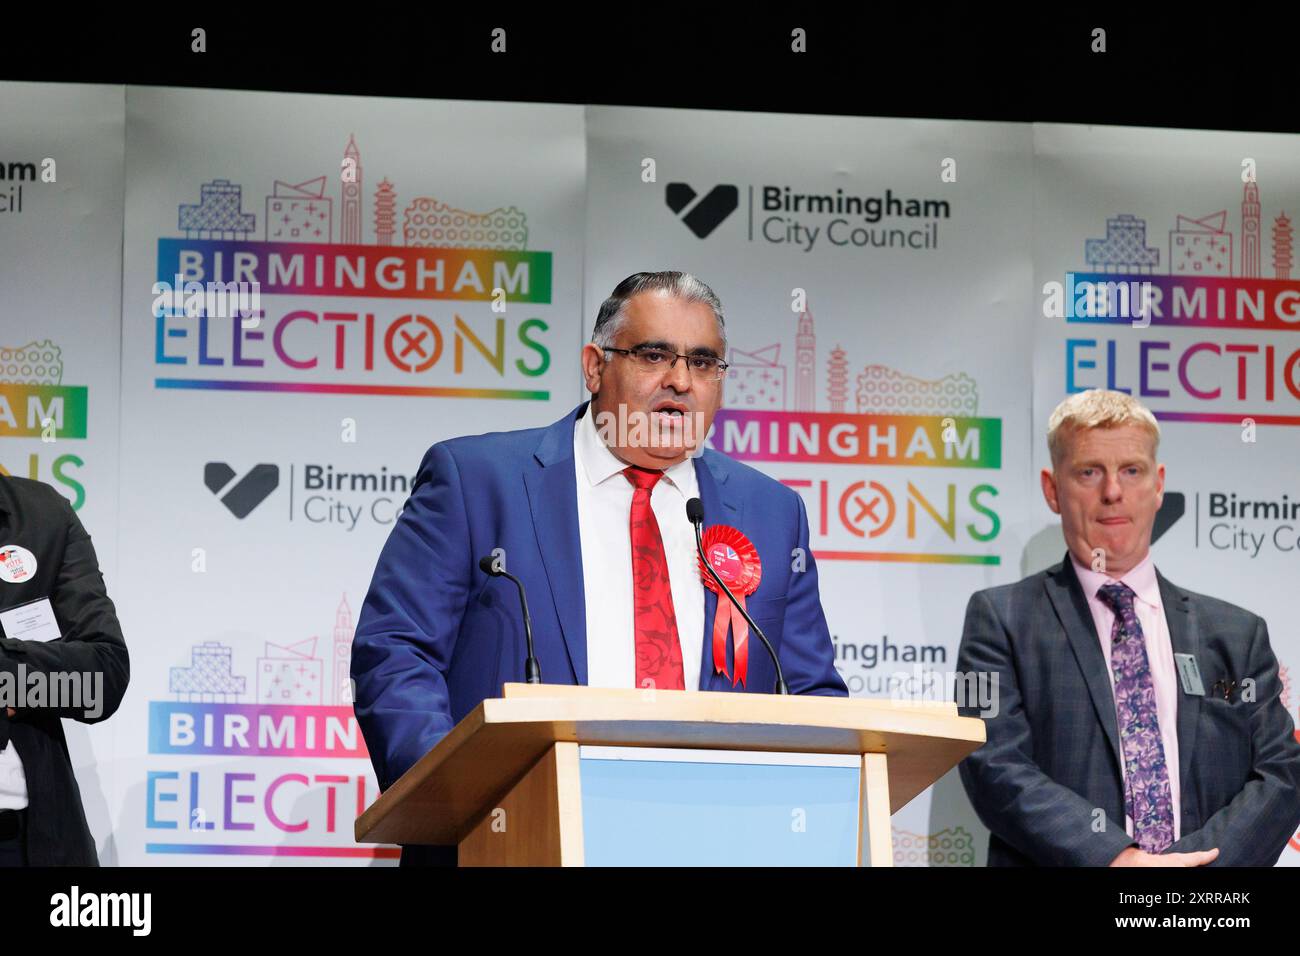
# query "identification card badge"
(1190, 674)
(33, 621)
(17, 564)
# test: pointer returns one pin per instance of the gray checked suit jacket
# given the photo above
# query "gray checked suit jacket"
(1052, 757)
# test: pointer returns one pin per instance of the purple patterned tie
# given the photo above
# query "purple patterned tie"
(1146, 780)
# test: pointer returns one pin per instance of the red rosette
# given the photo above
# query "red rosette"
(735, 559)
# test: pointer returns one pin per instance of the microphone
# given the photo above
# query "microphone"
(695, 514)
(491, 566)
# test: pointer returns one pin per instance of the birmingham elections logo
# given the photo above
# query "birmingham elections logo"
(707, 214)
(246, 493)
(36, 404)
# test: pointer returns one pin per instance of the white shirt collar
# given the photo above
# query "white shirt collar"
(599, 464)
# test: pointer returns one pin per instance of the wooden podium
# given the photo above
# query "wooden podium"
(561, 775)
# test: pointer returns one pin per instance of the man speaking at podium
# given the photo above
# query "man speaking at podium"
(590, 513)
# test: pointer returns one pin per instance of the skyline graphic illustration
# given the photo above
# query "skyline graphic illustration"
(303, 212)
(757, 380)
(36, 363)
(286, 673)
(953, 846)
(1198, 245)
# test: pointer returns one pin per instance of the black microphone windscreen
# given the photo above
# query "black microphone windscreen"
(487, 565)
(694, 511)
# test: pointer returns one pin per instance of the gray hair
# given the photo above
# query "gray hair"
(681, 285)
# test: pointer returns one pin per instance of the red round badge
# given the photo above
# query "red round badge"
(735, 559)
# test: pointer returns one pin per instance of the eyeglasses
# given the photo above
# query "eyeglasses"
(706, 367)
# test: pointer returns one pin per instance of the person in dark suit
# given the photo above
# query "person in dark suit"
(60, 632)
(1137, 723)
(592, 517)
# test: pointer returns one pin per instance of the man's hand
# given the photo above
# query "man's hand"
(10, 711)
(1132, 856)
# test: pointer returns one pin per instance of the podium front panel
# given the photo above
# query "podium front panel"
(658, 806)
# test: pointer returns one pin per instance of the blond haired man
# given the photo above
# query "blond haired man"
(1138, 723)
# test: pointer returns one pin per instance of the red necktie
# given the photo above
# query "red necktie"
(658, 652)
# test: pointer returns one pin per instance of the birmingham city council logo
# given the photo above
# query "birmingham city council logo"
(241, 496)
(707, 214)
(1173, 508)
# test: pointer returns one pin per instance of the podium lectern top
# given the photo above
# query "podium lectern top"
(441, 798)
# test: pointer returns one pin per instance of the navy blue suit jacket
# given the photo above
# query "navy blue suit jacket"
(1047, 781)
(436, 635)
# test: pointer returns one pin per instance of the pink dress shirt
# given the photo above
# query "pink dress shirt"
(1160, 656)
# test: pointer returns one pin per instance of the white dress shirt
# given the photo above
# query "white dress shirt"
(13, 781)
(1160, 658)
(604, 517)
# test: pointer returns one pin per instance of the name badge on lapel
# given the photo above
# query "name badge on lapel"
(33, 621)
(1190, 674)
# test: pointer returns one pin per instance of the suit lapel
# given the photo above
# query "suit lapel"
(1185, 640)
(553, 501)
(721, 506)
(1071, 605)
